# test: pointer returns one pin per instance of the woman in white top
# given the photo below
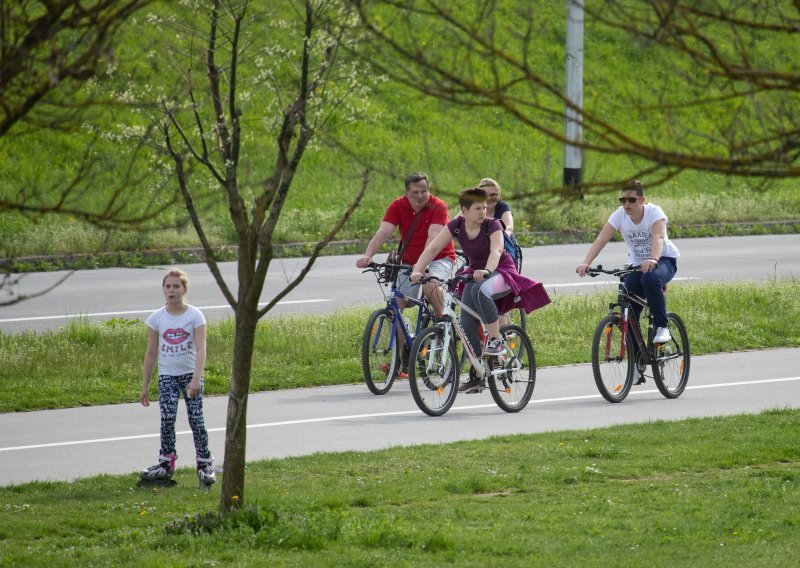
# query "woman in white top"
(644, 228)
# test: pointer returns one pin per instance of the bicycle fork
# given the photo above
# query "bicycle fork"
(609, 332)
(437, 352)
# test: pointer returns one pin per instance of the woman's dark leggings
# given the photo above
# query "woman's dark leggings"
(484, 306)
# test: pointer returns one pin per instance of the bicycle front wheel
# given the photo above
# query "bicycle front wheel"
(512, 389)
(671, 366)
(433, 372)
(612, 361)
(379, 352)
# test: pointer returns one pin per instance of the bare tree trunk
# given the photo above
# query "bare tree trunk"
(233, 478)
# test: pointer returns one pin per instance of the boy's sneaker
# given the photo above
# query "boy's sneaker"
(472, 386)
(206, 473)
(495, 348)
(662, 335)
(638, 378)
(162, 470)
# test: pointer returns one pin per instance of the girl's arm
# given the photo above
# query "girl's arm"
(199, 360)
(149, 364)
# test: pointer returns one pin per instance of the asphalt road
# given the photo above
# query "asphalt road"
(62, 445)
(335, 283)
(73, 443)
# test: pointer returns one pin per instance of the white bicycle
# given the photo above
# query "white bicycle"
(434, 369)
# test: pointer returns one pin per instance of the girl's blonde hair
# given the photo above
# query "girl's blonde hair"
(179, 273)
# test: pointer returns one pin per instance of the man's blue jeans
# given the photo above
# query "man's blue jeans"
(651, 286)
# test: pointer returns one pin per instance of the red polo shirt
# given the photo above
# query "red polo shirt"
(401, 215)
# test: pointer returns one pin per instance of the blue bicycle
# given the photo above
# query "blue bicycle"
(381, 359)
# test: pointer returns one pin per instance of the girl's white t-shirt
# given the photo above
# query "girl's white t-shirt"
(176, 345)
(639, 238)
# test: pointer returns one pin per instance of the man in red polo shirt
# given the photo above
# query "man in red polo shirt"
(433, 216)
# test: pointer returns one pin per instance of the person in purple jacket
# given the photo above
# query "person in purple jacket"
(496, 286)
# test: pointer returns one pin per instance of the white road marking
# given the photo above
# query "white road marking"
(106, 314)
(379, 415)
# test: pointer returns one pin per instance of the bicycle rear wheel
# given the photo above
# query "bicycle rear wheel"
(612, 364)
(512, 390)
(671, 367)
(378, 359)
(433, 372)
(517, 316)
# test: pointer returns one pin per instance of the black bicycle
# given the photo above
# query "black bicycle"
(620, 351)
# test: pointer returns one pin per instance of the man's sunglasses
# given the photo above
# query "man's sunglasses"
(630, 200)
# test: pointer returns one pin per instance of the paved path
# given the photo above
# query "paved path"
(336, 283)
(73, 443)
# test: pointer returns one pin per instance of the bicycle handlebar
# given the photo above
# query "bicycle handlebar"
(620, 272)
(376, 266)
(454, 279)
(427, 279)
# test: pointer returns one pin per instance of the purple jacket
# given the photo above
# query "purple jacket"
(525, 293)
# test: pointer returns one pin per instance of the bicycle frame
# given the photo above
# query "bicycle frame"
(397, 313)
(397, 316)
(451, 301)
(629, 322)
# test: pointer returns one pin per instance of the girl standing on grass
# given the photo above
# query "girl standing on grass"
(176, 333)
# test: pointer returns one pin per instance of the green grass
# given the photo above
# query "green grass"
(50, 370)
(710, 492)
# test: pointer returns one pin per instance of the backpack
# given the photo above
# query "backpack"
(509, 242)
(513, 248)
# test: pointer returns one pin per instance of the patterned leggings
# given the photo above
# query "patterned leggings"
(170, 388)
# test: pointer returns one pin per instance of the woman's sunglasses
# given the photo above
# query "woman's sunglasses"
(630, 200)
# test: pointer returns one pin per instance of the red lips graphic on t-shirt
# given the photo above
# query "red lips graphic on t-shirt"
(176, 336)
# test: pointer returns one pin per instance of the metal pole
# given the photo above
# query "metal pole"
(573, 155)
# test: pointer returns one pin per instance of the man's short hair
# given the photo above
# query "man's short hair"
(634, 185)
(417, 177)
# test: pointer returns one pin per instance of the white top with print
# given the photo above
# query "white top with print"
(639, 238)
(176, 345)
